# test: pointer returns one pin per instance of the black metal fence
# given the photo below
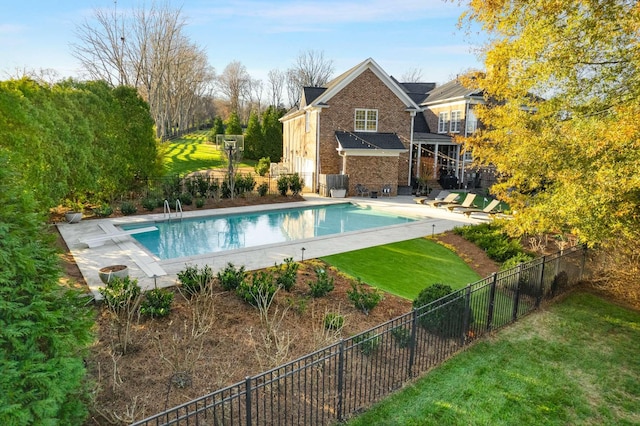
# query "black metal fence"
(336, 382)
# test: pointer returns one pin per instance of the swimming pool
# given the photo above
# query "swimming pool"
(197, 236)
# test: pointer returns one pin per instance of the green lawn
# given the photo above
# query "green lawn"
(576, 363)
(192, 153)
(406, 267)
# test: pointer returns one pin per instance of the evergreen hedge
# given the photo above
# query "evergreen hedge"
(44, 327)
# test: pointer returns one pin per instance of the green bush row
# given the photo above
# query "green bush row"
(494, 241)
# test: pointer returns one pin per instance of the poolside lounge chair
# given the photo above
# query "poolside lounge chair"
(361, 190)
(386, 190)
(436, 203)
(489, 209)
(468, 201)
(439, 195)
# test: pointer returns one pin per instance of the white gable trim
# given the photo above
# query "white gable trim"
(379, 72)
(370, 152)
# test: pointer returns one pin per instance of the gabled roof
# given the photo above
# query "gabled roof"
(420, 124)
(310, 94)
(449, 91)
(343, 80)
(369, 140)
(417, 91)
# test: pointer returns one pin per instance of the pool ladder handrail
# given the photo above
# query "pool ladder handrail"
(167, 209)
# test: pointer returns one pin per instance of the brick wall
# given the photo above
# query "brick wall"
(372, 172)
(365, 91)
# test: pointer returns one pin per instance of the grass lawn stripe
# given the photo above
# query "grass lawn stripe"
(192, 152)
(406, 267)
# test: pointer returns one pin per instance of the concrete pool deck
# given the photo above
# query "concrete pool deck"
(150, 271)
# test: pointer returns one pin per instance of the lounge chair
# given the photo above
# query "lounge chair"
(386, 190)
(436, 203)
(488, 210)
(361, 190)
(467, 203)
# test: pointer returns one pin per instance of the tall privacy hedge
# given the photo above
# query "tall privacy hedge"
(44, 328)
(76, 140)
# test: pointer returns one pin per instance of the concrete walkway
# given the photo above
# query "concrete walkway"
(150, 270)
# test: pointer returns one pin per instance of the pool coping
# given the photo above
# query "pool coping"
(150, 271)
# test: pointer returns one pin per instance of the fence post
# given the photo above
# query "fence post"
(541, 290)
(467, 315)
(412, 344)
(516, 295)
(492, 301)
(247, 384)
(340, 378)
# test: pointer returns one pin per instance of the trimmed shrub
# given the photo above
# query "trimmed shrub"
(368, 342)
(514, 261)
(322, 285)
(186, 199)
(528, 282)
(402, 336)
(263, 189)
(445, 313)
(156, 303)
(199, 203)
(283, 185)
(244, 184)
(333, 321)
(103, 210)
(171, 187)
(560, 282)
(295, 183)
(364, 298)
(491, 238)
(194, 280)
(260, 291)
(150, 203)
(231, 277)
(128, 208)
(287, 274)
(120, 293)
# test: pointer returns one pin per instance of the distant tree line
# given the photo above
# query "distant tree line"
(146, 48)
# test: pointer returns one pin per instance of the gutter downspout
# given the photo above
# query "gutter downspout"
(344, 161)
(317, 179)
(413, 118)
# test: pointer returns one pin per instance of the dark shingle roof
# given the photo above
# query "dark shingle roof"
(423, 88)
(420, 124)
(431, 138)
(450, 90)
(369, 140)
(416, 91)
(312, 93)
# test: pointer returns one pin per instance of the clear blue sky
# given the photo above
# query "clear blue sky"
(400, 35)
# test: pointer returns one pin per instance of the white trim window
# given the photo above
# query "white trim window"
(455, 121)
(307, 122)
(472, 122)
(443, 122)
(366, 120)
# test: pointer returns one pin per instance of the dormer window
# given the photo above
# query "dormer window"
(443, 122)
(366, 120)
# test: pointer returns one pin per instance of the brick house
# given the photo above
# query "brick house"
(367, 125)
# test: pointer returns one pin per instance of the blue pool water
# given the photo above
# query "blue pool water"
(192, 237)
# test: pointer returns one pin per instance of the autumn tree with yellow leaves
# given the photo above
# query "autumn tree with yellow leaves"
(562, 125)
